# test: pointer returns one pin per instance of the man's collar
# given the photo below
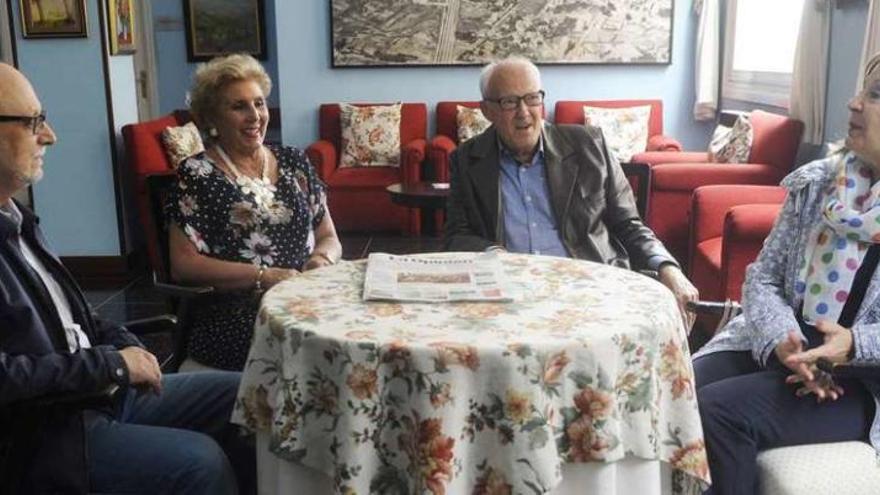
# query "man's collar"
(13, 218)
(504, 151)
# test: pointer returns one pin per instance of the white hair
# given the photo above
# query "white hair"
(489, 70)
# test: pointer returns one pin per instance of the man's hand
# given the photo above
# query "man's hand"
(143, 369)
(682, 289)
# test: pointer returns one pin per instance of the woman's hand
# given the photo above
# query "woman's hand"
(838, 342)
(318, 260)
(273, 275)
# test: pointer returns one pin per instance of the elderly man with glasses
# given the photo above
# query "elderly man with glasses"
(156, 434)
(528, 186)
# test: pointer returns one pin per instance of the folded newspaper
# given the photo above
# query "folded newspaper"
(458, 277)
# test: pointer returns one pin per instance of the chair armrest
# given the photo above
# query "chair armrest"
(660, 142)
(180, 291)
(864, 370)
(710, 205)
(153, 324)
(689, 176)
(412, 154)
(437, 154)
(322, 155)
(442, 143)
(750, 222)
(714, 308)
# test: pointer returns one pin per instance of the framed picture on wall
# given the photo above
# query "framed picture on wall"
(120, 13)
(410, 33)
(53, 18)
(221, 27)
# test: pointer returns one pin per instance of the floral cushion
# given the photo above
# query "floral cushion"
(470, 122)
(625, 129)
(181, 143)
(370, 136)
(732, 144)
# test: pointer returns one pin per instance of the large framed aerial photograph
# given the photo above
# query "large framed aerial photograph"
(222, 27)
(53, 18)
(473, 32)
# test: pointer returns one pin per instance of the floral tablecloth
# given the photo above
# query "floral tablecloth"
(591, 365)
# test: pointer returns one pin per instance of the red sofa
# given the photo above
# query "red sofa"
(728, 226)
(356, 196)
(572, 112)
(774, 148)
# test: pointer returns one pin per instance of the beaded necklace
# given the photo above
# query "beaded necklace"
(261, 188)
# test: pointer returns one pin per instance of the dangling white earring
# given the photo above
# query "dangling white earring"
(213, 132)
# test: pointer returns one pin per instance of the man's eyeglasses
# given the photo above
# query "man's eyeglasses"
(35, 122)
(512, 102)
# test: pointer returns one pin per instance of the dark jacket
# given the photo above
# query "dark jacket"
(591, 199)
(36, 366)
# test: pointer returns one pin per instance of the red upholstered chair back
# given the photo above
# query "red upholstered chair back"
(447, 113)
(143, 144)
(572, 112)
(776, 139)
(145, 155)
(413, 122)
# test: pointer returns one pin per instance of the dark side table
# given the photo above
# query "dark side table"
(424, 196)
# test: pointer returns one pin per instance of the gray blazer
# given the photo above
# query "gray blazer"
(768, 292)
(591, 199)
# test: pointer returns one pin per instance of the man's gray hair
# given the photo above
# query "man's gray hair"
(488, 70)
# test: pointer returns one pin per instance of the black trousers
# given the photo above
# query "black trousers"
(746, 409)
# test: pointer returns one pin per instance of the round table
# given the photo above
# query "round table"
(422, 195)
(591, 365)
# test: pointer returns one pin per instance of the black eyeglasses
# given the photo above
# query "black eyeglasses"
(35, 122)
(512, 102)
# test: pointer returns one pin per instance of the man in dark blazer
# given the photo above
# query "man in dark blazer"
(525, 185)
(156, 434)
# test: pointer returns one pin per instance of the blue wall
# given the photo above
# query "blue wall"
(304, 69)
(75, 199)
(174, 72)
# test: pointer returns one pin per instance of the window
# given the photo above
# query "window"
(759, 50)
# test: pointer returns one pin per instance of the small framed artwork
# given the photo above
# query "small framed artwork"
(53, 18)
(121, 31)
(222, 27)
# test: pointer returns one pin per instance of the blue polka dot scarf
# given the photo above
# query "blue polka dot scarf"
(838, 244)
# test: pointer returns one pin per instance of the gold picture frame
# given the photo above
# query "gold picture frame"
(121, 14)
(53, 18)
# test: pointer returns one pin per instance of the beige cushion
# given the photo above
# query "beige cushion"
(732, 144)
(625, 129)
(844, 468)
(470, 121)
(370, 136)
(181, 143)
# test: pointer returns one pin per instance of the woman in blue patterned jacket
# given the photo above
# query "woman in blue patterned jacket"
(813, 292)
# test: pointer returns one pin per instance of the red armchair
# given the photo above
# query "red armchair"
(145, 155)
(774, 148)
(356, 196)
(728, 226)
(572, 112)
(444, 143)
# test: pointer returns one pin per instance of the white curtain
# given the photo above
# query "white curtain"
(707, 63)
(872, 40)
(808, 78)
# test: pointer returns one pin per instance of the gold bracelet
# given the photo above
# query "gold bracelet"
(258, 284)
(325, 256)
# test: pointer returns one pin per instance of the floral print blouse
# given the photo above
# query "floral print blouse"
(224, 221)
